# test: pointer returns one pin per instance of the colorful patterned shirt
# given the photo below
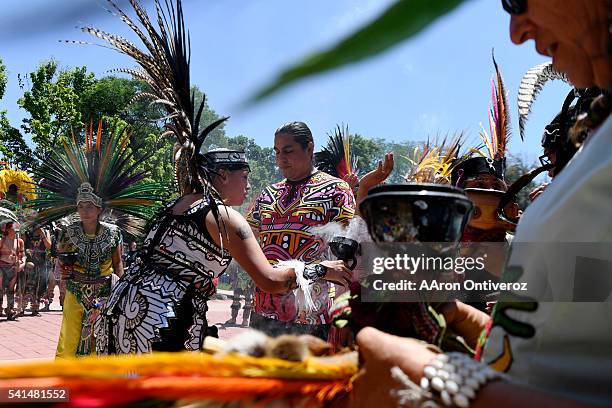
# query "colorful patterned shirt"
(283, 214)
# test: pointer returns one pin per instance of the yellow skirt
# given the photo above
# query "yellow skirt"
(70, 333)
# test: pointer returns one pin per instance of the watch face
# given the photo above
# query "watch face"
(320, 270)
(314, 272)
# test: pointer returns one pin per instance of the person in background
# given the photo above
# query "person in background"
(558, 148)
(12, 264)
(37, 245)
(96, 247)
(55, 274)
(131, 255)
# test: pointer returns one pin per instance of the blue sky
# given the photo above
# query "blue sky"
(438, 82)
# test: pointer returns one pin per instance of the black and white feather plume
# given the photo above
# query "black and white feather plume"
(531, 84)
(164, 63)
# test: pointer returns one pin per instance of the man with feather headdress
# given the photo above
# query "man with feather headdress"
(559, 147)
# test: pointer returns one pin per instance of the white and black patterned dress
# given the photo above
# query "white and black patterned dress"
(161, 304)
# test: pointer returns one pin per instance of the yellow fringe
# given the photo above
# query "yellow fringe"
(194, 364)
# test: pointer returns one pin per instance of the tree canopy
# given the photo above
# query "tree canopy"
(61, 101)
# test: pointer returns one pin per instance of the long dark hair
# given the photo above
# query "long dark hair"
(299, 131)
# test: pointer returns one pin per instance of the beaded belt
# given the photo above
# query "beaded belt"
(82, 278)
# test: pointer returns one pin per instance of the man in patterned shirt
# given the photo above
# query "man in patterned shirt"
(282, 218)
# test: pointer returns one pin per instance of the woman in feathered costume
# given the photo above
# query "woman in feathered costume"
(87, 180)
(162, 304)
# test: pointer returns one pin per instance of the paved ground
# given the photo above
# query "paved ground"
(36, 337)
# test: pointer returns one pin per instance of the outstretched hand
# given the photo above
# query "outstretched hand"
(537, 191)
(378, 175)
(465, 320)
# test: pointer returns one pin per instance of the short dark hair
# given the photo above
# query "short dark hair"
(299, 130)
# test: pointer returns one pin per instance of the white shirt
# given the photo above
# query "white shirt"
(569, 351)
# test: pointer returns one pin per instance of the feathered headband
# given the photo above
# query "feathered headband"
(103, 171)
(232, 159)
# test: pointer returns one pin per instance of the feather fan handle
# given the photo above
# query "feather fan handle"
(531, 84)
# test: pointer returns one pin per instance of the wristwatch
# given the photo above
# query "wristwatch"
(314, 271)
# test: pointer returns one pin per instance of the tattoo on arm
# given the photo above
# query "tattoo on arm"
(244, 232)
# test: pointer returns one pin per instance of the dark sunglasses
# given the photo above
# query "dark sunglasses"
(515, 6)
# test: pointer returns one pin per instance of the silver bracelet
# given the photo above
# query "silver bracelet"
(450, 380)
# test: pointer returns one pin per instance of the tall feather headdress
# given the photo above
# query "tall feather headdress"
(336, 158)
(531, 84)
(164, 66)
(499, 118)
(108, 165)
(491, 157)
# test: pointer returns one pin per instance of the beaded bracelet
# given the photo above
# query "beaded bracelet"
(450, 379)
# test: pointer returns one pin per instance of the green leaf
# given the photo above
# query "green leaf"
(400, 21)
